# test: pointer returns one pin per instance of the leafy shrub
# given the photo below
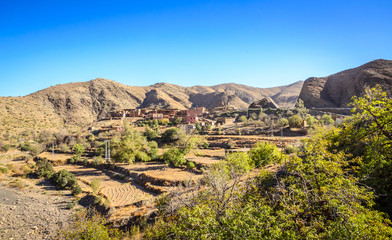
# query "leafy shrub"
(174, 157)
(290, 149)
(190, 165)
(326, 119)
(97, 161)
(150, 134)
(242, 119)
(4, 147)
(44, 169)
(25, 147)
(64, 148)
(95, 185)
(77, 190)
(295, 121)
(64, 180)
(311, 121)
(238, 162)
(36, 149)
(3, 170)
(88, 224)
(172, 134)
(142, 156)
(99, 151)
(284, 122)
(78, 149)
(74, 159)
(264, 153)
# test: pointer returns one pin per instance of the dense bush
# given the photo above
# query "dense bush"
(311, 121)
(295, 121)
(190, 164)
(284, 122)
(98, 160)
(44, 169)
(326, 119)
(264, 153)
(172, 134)
(151, 134)
(242, 119)
(79, 149)
(290, 149)
(64, 180)
(174, 157)
(88, 224)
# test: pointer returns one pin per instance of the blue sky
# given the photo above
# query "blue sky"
(186, 42)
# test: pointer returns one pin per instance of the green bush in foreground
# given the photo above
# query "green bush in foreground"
(88, 224)
(310, 198)
(264, 153)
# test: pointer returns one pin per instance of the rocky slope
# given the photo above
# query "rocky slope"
(336, 91)
(84, 102)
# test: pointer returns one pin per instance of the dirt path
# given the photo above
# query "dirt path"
(29, 214)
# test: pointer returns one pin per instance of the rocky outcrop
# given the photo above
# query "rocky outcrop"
(336, 91)
(264, 103)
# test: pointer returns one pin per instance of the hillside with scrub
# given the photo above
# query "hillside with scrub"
(161, 182)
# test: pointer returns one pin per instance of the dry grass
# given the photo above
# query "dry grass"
(57, 158)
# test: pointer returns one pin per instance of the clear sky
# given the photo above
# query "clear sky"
(187, 42)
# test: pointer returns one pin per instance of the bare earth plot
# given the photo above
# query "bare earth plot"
(160, 174)
(57, 158)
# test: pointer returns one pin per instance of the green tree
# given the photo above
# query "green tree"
(301, 109)
(367, 139)
(131, 147)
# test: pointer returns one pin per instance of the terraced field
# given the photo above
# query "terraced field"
(125, 195)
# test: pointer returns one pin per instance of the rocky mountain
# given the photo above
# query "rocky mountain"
(85, 102)
(337, 90)
(264, 103)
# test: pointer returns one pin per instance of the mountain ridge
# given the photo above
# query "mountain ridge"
(84, 102)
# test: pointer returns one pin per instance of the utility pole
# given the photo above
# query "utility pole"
(107, 150)
(53, 148)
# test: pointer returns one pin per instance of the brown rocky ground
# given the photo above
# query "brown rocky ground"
(34, 213)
